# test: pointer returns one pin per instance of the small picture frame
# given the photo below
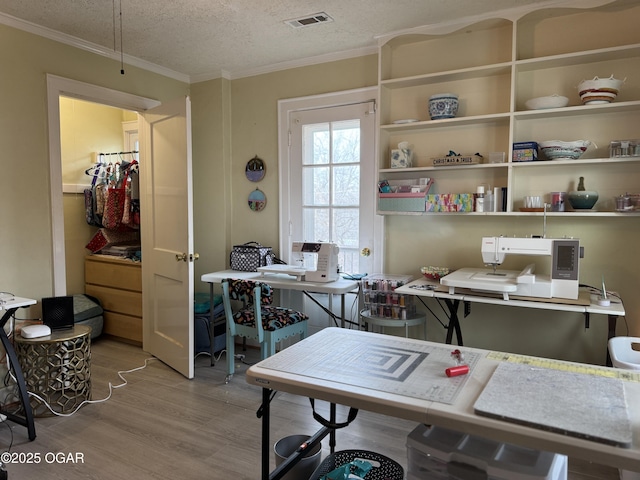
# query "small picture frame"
(255, 169)
(257, 200)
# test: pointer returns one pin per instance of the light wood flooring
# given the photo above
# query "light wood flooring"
(163, 426)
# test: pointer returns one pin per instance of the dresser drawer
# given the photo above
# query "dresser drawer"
(117, 283)
(115, 273)
(115, 300)
(124, 327)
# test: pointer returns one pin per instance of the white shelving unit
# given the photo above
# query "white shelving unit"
(495, 66)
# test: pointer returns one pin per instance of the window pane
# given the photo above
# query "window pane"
(315, 187)
(345, 227)
(346, 141)
(315, 144)
(349, 260)
(315, 224)
(346, 185)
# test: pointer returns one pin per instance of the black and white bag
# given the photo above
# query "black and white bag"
(249, 256)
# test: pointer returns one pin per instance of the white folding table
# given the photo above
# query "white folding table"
(331, 365)
(586, 304)
(286, 282)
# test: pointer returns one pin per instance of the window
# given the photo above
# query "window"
(331, 187)
(327, 170)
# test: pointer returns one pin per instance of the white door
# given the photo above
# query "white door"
(332, 183)
(167, 234)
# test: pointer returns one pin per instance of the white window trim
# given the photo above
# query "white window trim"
(285, 107)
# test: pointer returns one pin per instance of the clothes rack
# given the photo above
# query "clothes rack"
(132, 152)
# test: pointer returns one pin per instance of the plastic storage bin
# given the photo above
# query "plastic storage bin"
(625, 352)
(441, 454)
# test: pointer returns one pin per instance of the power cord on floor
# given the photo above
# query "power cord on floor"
(215, 359)
(3, 418)
(111, 389)
(238, 356)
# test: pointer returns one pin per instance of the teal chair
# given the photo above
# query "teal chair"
(247, 306)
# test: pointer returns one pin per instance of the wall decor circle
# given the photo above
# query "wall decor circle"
(255, 169)
(257, 200)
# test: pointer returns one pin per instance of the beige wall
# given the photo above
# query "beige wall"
(232, 122)
(236, 120)
(211, 119)
(26, 252)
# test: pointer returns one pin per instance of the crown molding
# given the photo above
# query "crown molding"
(89, 47)
(276, 67)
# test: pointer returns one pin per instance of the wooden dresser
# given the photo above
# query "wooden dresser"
(117, 283)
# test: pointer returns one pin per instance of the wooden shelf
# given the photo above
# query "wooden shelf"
(495, 66)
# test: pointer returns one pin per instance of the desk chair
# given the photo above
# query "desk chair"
(256, 318)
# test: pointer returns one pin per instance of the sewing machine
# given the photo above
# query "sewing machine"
(319, 260)
(562, 283)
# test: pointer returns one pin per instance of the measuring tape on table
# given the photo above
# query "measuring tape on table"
(628, 375)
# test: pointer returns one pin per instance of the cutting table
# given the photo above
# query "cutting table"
(405, 378)
(586, 304)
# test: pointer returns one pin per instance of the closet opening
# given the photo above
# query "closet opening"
(99, 149)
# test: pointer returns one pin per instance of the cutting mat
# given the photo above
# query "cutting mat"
(628, 375)
(581, 405)
(384, 363)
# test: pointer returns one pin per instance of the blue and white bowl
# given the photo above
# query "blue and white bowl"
(443, 105)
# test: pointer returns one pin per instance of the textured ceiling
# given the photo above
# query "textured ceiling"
(202, 39)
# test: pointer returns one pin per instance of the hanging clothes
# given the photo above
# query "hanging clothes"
(112, 201)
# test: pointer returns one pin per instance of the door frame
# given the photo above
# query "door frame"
(334, 99)
(57, 87)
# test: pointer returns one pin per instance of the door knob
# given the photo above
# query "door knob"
(183, 257)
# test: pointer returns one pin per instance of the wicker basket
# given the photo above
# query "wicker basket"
(387, 469)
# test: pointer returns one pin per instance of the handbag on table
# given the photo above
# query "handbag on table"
(249, 256)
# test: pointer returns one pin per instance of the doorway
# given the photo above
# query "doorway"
(90, 134)
(166, 137)
(63, 87)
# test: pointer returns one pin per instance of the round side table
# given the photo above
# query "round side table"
(57, 368)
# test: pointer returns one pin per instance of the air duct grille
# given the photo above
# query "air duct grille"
(309, 20)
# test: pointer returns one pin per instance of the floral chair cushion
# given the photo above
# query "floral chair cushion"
(273, 318)
(242, 290)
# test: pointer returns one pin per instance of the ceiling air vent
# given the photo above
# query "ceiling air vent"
(309, 20)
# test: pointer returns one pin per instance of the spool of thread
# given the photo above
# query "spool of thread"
(458, 370)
